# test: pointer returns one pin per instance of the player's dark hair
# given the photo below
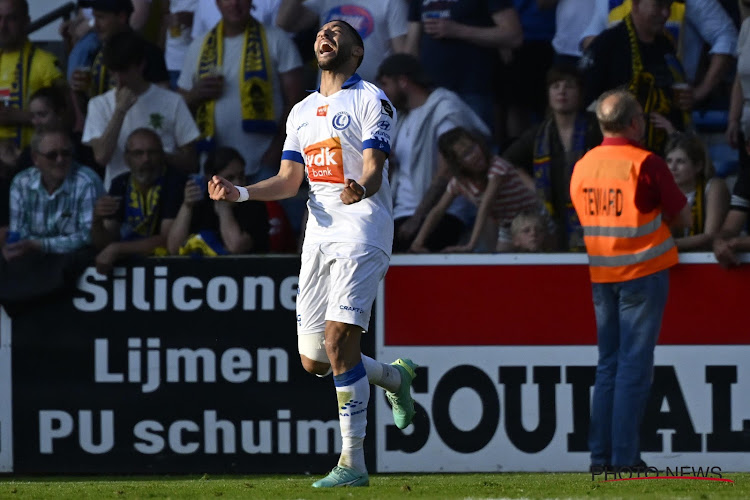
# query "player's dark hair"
(355, 34)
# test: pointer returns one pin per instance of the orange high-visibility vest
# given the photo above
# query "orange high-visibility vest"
(622, 242)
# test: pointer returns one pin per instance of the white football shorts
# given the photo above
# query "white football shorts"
(338, 282)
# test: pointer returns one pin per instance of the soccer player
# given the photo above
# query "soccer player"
(339, 136)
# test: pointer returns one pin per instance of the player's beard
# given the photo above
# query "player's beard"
(334, 63)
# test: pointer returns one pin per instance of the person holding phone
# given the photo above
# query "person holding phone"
(209, 228)
(135, 218)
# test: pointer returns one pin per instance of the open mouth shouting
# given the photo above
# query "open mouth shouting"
(326, 47)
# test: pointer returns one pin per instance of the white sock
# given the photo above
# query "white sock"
(353, 394)
(386, 376)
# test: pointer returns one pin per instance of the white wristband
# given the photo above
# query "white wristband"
(364, 192)
(244, 195)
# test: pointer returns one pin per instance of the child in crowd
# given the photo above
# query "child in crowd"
(529, 232)
(489, 182)
(707, 196)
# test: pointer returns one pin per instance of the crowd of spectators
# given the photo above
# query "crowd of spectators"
(111, 153)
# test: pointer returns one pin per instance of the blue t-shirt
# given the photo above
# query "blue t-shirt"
(538, 24)
(460, 66)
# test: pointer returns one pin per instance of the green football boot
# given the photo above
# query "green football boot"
(401, 401)
(343, 476)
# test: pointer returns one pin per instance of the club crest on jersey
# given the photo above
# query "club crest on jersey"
(341, 120)
(322, 110)
(324, 161)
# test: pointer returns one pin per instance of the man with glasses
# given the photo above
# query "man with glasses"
(134, 219)
(51, 203)
(47, 245)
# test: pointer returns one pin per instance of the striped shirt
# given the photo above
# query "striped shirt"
(513, 197)
(61, 221)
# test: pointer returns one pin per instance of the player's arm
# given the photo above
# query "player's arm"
(283, 185)
(372, 177)
(378, 118)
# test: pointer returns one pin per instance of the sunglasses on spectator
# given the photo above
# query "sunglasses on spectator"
(52, 155)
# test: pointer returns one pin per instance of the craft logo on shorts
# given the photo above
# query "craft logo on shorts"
(324, 161)
(341, 120)
(322, 110)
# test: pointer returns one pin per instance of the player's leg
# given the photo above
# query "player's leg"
(355, 275)
(312, 353)
(314, 287)
(353, 396)
(356, 271)
(354, 279)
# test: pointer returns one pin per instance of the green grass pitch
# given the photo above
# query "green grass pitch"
(382, 486)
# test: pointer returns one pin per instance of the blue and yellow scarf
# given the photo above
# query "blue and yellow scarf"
(205, 243)
(543, 165)
(256, 89)
(101, 80)
(653, 99)
(142, 210)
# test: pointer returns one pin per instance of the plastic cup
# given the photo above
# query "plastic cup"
(680, 90)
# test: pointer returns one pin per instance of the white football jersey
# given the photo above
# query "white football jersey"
(327, 135)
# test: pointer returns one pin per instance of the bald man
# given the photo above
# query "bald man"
(626, 200)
